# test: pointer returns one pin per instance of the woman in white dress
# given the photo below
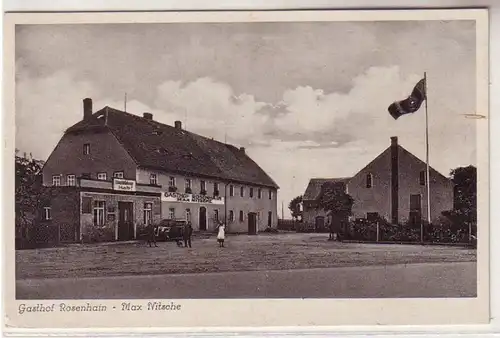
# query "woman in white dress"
(221, 235)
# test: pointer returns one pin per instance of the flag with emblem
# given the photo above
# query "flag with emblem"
(410, 104)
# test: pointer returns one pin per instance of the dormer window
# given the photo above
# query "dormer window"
(369, 180)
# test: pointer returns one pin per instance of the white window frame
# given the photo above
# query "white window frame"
(153, 179)
(102, 176)
(187, 183)
(99, 213)
(147, 213)
(56, 180)
(171, 213)
(118, 174)
(171, 181)
(71, 180)
(47, 213)
(86, 149)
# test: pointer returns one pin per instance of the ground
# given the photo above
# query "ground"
(267, 265)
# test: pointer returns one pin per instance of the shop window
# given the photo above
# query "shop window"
(56, 180)
(148, 213)
(171, 213)
(242, 217)
(71, 180)
(99, 212)
(47, 213)
(118, 174)
(102, 176)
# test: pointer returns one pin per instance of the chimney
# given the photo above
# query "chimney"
(87, 108)
(242, 149)
(394, 141)
(147, 116)
(394, 180)
(178, 124)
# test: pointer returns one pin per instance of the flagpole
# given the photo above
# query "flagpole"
(427, 162)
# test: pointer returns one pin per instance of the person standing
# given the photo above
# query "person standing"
(221, 234)
(187, 233)
(152, 234)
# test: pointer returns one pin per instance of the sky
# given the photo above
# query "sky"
(306, 99)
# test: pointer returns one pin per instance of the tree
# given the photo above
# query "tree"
(27, 189)
(295, 207)
(464, 213)
(334, 198)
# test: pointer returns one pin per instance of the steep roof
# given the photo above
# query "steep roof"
(162, 147)
(314, 187)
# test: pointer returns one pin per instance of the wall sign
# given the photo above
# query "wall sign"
(190, 198)
(123, 185)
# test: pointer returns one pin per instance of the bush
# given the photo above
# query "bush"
(271, 230)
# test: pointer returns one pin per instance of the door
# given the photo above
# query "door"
(269, 219)
(415, 209)
(125, 221)
(252, 223)
(319, 223)
(203, 218)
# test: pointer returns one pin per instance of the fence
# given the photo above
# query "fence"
(288, 224)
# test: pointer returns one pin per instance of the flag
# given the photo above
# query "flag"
(410, 104)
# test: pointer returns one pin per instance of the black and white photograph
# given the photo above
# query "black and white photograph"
(232, 159)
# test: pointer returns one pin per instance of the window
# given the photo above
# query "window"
(270, 194)
(372, 216)
(71, 180)
(188, 215)
(171, 181)
(86, 205)
(47, 213)
(231, 190)
(153, 180)
(171, 213)
(86, 149)
(369, 180)
(99, 208)
(56, 180)
(251, 192)
(148, 213)
(242, 217)
(422, 177)
(216, 215)
(203, 187)
(231, 216)
(216, 189)
(259, 193)
(242, 191)
(118, 174)
(187, 185)
(101, 176)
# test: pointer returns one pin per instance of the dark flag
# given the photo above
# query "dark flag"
(410, 104)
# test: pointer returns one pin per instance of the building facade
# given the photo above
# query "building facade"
(132, 170)
(392, 186)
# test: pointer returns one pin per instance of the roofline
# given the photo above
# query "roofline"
(344, 180)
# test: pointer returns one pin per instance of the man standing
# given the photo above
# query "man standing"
(188, 231)
(152, 234)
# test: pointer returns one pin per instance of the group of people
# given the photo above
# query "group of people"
(186, 232)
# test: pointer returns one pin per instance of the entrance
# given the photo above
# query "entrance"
(252, 223)
(319, 224)
(203, 218)
(125, 221)
(415, 210)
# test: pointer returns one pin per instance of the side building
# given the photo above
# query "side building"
(392, 186)
(130, 171)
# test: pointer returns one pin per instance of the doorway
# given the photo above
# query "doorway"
(203, 219)
(415, 210)
(125, 221)
(319, 223)
(252, 223)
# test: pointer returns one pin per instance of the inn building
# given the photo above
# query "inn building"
(112, 173)
(392, 186)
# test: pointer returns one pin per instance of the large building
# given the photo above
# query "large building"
(124, 171)
(392, 186)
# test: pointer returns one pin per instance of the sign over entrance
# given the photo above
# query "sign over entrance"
(190, 198)
(123, 185)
